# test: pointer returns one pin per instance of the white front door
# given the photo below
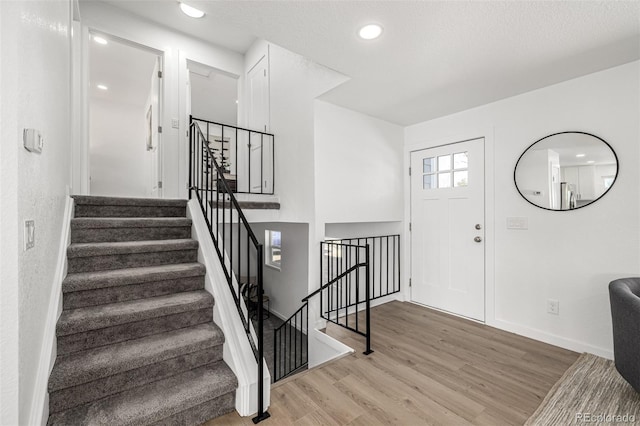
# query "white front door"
(447, 228)
(260, 147)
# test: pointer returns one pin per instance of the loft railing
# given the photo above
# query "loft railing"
(246, 157)
(234, 240)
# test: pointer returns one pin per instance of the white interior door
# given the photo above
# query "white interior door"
(447, 228)
(259, 147)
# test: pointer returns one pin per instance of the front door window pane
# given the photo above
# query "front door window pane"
(428, 165)
(428, 181)
(444, 163)
(460, 178)
(444, 180)
(460, 160)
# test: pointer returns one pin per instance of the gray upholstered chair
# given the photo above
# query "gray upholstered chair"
(624, 295)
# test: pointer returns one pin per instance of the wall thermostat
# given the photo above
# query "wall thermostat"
(32, 140)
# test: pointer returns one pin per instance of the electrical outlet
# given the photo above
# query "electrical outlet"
(553, 307)
(29, 234)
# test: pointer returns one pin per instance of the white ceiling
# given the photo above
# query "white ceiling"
(434, 57)
(124, 69)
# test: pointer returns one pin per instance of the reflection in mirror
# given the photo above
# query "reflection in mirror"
(565, 171)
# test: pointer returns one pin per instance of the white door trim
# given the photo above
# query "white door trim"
(489, 206)
(81, 164)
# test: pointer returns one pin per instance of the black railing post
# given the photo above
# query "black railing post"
(190, 156)
(367, 302)
(261, 415)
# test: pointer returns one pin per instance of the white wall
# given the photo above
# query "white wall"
(214, 98)
(358, 166)
(118, 154)
(370, 229)
(35, 91)
(568, 256)
(286, 287)
(294, 84)
(108, 19)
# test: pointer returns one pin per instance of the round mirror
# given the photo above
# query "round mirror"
(566, 171)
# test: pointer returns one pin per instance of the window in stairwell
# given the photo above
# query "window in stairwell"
(273, 248)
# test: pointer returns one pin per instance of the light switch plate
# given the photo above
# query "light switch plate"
(29, 234)
(32, 140)
(175, 123)
(520, 223)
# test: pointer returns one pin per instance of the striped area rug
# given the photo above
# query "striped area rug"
(590, 392)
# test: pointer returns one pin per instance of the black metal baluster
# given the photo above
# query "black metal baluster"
(249, 164)
(357, 271)
(321, 274)
(368, 305)
(399, 263)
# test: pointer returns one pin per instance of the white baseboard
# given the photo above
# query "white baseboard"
(552, 339)
(39, 412)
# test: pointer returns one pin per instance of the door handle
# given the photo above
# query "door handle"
(478, 239)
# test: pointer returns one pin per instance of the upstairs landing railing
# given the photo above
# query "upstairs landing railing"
(246, 157)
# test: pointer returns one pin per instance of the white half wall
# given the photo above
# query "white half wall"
(358, 166)
(35, 92)
(567, 256)
(118, 154)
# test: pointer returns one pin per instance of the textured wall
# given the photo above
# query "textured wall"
(35, 94)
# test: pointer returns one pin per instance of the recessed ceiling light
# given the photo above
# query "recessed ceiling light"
(590, 162)
(580, 155)
(102, 87)
(100, 40)
(191, 11)
(370, 31)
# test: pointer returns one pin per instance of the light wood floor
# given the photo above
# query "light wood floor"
(427, 368)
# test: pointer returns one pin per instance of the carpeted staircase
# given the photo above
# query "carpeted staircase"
(136, 342)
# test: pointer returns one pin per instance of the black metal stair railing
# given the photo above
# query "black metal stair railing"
(238, 249)
(246, 157)
(291, 344)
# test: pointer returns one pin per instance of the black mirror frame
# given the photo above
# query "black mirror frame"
(615, 179)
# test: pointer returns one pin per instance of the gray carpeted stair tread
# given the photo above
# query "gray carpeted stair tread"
(156, 401)
(83, 281)
(128, 222)
(93, 364)
(123, 201)
(101, 316)
(129, 247)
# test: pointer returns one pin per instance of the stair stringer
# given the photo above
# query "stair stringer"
(237, 352)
